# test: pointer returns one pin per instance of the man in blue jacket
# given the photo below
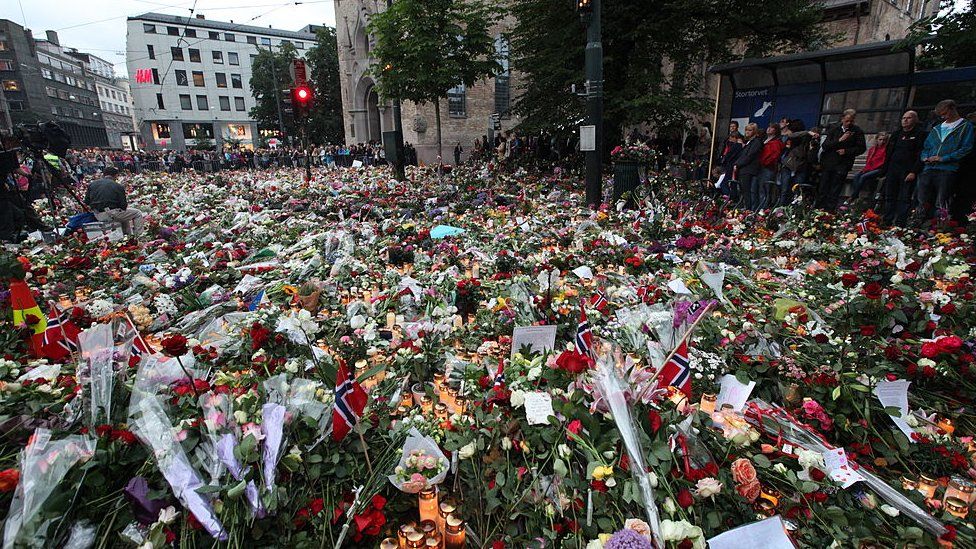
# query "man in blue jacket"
(947, 144)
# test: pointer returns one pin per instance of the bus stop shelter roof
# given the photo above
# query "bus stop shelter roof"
(874, 60)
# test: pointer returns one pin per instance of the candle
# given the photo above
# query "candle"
(427, 502)
(476, 271)
(454, 533)
(426, 403)
(389, 543)
(927, 486)
(428, 527)
(404, 531)
(440, 411)
(390, 320)
(707, 404)
(956, 507)
(460, 403)
(445, 509)
(946, 425)
(415, 540)
(765, 507)
(771, 495)
(64, 301)
(434, 540)
(908, 483)
(960, 488)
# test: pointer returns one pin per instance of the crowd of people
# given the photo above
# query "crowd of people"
(910, 174)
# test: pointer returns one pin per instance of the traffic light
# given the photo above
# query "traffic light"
(584, 6)
(301, 99)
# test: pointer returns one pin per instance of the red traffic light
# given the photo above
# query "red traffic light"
(301, 95)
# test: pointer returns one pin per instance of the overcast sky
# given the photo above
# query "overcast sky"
(98, 26)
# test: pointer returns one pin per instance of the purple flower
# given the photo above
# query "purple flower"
(627, 539)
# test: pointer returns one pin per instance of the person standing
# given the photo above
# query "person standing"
(747, 166)
(769, 159)
(106, 197)
(843, 144)
(945, 147)
(457, 153)
(872, 166)
(962, 204)
(903, 164)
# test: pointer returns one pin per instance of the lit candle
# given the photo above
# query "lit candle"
(426, 403)
(415, 540)
(454, 533)
(403, 532)
(707, 404)
(389, 543)
(927, 486)
(459, 404)
(390, 320)
(771, 495)
(946, 425)
(440, 411)
(960, 488)
(956, 507)
(434, 540)
(908, 483)
(446, 508)
(64, 301)
(427, 502)
(428, 527)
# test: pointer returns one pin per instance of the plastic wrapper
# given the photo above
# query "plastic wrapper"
(774, 419)
(96, 372)
(216, 333)
(43, 465)
(153, 427)
(82, 535)
(272, 426)
(615, 390)
(416, 441)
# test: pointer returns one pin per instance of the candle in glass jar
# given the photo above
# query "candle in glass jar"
(956, 507)
(445, 507)
(440, 411)
(771, 495)
(64, 301)
(927, 486)
(453, 533)
(426, 403)
(707, 404)
(908, 483)
(389, 543)
(415, 540)
(434, 540)
(404, 531)
(960, 488)
(427, 527)
(427, 502)
(460, 403)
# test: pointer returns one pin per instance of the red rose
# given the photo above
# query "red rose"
(498, 545)
(174, 345)
(743, 472)
(872, 290)
(930, 349)
(868, 330)
(575, 426)
(573, 362)
(685, 499)
(9, 479)
(817, 474)
(32, 320)
(948, 309)
(849, 279)
(950, 344)
(655, 420)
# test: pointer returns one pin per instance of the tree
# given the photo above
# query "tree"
(654, 65)
(423, 48)
(948, 37)
(324, 123)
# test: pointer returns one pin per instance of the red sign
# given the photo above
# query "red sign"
(144, 76)
(298, 73)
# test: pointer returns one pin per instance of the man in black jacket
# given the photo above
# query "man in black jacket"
(108, 202)
(903, 163)
(747, 166)
(843, 144)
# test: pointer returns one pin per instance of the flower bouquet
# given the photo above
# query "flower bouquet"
(637, 153)
(421, 465)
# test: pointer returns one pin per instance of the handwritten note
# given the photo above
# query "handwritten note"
(765, 534)
(839, 469)
(538, 408)
(894, 394)
(678, 286)
(734, 392)
(539, 338)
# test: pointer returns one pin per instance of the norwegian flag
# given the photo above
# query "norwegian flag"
(499, 375)
(599, 301)
(862, 226)
(677, 372)
(350, 401)
(60, 336)
(584, 337)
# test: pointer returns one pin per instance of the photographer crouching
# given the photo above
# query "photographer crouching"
(107, 200)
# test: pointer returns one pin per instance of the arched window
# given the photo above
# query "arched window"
(503, 87)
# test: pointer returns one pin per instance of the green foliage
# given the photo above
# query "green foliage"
(423, 48)
(653, 66)
(271, 66)
(951, 36)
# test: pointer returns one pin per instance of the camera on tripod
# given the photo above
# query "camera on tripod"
(44, 136)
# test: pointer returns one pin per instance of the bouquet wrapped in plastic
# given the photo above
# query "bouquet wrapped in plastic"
(422, 464)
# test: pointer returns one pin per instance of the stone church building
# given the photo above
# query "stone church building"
(465, 113)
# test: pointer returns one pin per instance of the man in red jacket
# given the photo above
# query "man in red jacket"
(769, 161)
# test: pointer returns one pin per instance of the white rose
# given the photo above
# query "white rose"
(595, 544)
(517, 399)
(240, 416)
(564, 451)
(167, 515)
(652, 479)
(708, 487)
(889, 510)
(357, 322)
(780, 468)
(466, 451)
(669, 506)
(506, 444)
(534, 373)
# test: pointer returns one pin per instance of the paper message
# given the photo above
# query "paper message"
(539, 338)
(678, 286)
(734, 392)
(894, 394)
(839, 469)
(765, 534)
(538, 408)
(583, 272)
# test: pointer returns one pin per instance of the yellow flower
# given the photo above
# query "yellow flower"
(288, 289)
(602, 471)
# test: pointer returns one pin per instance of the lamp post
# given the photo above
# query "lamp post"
(398, 164)
(589, 11)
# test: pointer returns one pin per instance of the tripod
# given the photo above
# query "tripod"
(52, 180)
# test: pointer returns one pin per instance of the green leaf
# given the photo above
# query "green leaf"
(835, 394)
(761, 461)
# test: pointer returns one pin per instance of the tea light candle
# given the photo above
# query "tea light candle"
(946, 425)
(771, 495)
(453, 532)
(416, 540)
(956, 507)
(427, 502)
(434, 540)
(927, 486)
(428, 527)
(440, 411)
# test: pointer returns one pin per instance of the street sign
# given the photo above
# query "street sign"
(496, 121)
(298, 73)
(587, 138)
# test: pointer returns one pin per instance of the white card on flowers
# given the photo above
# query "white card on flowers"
(538, 408)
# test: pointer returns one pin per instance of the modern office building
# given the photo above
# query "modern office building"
(190, 78)
(41, 82)
(114, 99)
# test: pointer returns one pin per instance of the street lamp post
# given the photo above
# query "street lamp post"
(590, 13)
(398, 164)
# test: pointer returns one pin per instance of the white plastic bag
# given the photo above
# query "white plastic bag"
(418, 445)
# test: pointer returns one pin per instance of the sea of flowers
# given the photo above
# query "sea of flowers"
(536, 374)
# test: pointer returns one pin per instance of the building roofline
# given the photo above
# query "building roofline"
(833, 54)
(219, 25)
